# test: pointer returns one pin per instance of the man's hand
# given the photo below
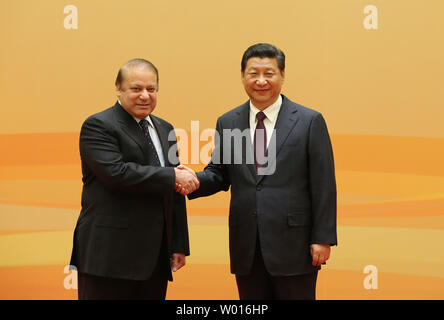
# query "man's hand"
(177, 261)
(320, 253)
(189, 184)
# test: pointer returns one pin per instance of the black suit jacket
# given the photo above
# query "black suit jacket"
(291, 208)
(127, 203)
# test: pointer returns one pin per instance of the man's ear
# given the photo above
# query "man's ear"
(118, 93)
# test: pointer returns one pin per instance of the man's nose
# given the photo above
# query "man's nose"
(261, 81)
(144, 94)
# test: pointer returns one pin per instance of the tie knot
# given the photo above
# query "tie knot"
(143, 123)
(260, 116)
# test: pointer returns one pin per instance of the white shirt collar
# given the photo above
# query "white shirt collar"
(150, 122)
(271, 111)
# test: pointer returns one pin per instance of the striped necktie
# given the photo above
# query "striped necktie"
(144, 124)
(260, 140)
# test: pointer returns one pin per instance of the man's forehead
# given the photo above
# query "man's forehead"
(137, 74)
(138, 70)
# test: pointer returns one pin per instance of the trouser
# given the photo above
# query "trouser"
(260, 285)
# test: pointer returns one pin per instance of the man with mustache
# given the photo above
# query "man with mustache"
(132, 229)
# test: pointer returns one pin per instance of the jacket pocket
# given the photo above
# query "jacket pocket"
(111, 222)
(297, 219)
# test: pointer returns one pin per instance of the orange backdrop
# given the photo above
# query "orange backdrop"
(378, 89)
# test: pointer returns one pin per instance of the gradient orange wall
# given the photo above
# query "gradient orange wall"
(379, 91)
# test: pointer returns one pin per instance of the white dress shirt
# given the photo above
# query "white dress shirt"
(271, 114)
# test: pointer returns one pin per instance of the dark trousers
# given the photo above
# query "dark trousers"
(260, 285)
(92, 287)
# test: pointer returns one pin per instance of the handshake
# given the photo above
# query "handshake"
(186, 180)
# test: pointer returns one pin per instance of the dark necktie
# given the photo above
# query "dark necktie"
(260, 140)
(144, 124)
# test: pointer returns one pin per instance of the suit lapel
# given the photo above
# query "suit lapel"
(286, 120)
(131, 128)
(163, 137)
(242, 122)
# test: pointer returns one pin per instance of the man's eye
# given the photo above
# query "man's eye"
(135, 89)
(151, 90)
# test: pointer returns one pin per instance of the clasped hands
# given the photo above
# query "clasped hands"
(186, 180)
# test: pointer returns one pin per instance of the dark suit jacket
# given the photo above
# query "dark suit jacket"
(291, 208)
(126, 202)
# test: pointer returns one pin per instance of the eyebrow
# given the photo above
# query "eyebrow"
(141, 85)
(255, 68)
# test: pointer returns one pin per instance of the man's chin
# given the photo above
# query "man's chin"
(261, 100)
(144, 113)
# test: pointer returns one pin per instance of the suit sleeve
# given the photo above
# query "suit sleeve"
(322, 183)
(214, 178)
(179, 215)
(180, 225)
(99, 149)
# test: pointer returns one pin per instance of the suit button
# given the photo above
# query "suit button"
(258, 187)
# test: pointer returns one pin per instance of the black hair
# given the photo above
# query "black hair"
(263, 50)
